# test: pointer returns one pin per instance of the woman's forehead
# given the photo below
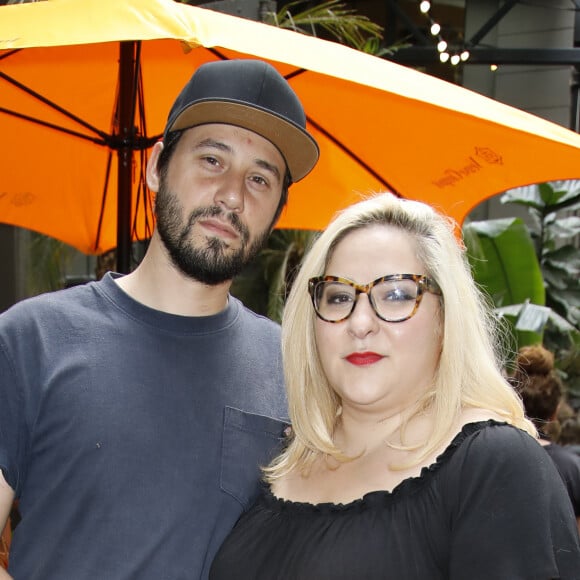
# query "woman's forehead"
(376, 249)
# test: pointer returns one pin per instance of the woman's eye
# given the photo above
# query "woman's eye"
(338, 298)
(396, 295)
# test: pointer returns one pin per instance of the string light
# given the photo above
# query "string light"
(435, 29)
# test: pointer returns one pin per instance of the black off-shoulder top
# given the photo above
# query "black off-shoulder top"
(491, 507)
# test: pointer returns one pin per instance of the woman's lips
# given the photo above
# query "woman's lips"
(363, 358)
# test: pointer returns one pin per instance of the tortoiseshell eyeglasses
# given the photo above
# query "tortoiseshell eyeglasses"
(394, 298)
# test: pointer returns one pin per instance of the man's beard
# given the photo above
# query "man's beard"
(209, 262)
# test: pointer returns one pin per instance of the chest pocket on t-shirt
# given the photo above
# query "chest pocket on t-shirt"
(249, 442)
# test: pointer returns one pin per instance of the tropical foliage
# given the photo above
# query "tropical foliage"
(333, 18)
(49, 260)
(504, 264)
(265, 283)
(556, 233)
(531, 271)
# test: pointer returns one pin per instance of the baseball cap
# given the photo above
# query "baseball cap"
(253, 95)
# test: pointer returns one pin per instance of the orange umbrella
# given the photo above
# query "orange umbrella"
(379, 125)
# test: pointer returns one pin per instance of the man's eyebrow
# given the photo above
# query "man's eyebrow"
(270, 168)
(215, 144)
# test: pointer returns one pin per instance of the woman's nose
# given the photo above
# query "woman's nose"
(363, 319)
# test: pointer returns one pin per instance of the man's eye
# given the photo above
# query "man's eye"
(211, 160)
(259, 179)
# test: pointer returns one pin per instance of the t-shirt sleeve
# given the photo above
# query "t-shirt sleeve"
(511, 518)
(12, 434)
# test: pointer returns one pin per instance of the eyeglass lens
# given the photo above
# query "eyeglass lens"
(392, 299)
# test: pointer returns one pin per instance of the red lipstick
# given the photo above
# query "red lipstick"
(363, 358)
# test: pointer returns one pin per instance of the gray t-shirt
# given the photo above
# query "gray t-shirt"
(132, 437)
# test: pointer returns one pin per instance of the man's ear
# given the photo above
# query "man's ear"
(152, 174)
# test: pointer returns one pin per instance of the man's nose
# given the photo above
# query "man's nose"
(230, 193)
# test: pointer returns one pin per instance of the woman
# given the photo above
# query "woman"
(410, 456)
(542, 392)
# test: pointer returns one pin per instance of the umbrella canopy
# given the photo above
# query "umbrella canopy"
(85, 87)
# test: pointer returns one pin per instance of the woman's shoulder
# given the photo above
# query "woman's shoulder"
(483, 430)
(489, 428)
(493, 444)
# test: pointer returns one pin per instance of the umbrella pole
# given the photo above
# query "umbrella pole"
(126, 111)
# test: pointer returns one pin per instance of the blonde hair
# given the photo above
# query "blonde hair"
(469, 373)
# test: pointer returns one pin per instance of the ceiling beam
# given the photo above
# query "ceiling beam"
(492, 22)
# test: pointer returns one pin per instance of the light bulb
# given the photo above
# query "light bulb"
(425, 6)
(493, 67)
(455, 59)
(444, 57)
(464, 55)
(435, 29)
(441, 46)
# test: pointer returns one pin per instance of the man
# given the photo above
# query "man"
(135, 411)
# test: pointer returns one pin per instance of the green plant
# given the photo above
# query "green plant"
(265, 283)
(531, 271)
(554, 232)
(49, 259)
(334, 18)
(504, 263)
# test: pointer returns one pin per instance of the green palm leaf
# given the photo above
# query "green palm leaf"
(504, 263)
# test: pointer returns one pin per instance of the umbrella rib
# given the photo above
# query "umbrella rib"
(296, 73)
(217, 53)
(54, 106)
(2, 57)
(354, 157)
(53, 126)
(136, 78)
(103, 201)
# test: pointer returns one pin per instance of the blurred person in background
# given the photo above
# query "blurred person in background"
(542, 392)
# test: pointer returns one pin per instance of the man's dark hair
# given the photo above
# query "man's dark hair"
(169, 146)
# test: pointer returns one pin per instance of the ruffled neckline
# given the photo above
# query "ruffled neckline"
(382, 497)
